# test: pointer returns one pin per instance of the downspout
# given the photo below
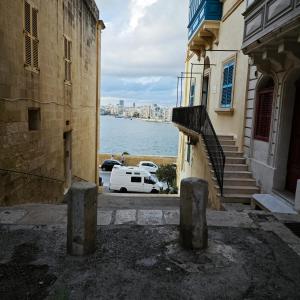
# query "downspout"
(99, 26)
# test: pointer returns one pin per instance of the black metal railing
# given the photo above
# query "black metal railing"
(196, 118)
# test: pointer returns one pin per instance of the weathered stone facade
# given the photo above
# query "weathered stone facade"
(66, 105)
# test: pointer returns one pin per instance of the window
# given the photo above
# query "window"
(227, 86)
(31, 36)
(67, 58)
(136, 179)
(192, 95)
(34, 118)
(263, 115)
(129, 173)
(188, 153)
(149, 180)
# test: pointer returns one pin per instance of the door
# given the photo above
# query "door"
(205, 90)
(293, 167)
(68, 158)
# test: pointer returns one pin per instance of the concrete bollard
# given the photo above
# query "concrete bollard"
(297, 196)
(193, 225)
(82, 219)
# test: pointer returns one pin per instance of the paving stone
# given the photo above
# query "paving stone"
(11, 216)
(104, 217)
(172, 216)
(125, 216)
(229, 219)
(150, 217)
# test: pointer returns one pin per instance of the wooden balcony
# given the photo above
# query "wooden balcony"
(204, 23)
(266, 20)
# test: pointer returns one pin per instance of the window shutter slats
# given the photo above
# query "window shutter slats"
(34, 23)
(263, 115)
(226, 100)
(35, 53)
(27, 18)
(27, 50)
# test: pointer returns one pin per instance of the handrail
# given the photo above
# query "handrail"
(197, 119)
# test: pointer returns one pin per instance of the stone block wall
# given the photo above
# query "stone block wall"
(64, 107)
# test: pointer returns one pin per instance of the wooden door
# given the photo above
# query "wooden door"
(293, 168)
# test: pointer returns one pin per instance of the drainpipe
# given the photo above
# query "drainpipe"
(99, 26)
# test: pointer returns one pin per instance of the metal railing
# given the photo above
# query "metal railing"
(196, 118)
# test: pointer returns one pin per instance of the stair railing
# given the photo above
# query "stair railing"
(197, 119)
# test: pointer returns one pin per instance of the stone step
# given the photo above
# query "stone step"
(230, 148)
(239, 181)
(236, 167)
(235, 198)
(227, 142)
(235, 174)
(230, 154)
(244, 190)
(235, 160)
(225, 137)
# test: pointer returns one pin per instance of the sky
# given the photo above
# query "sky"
(143, 50)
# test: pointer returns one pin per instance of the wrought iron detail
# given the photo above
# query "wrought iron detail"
(196, 118)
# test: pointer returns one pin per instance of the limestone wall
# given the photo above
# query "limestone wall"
(64, 107)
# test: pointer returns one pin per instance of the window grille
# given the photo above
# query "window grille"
(263, 115)
(31, 36)
(227, 87)
(67, 58)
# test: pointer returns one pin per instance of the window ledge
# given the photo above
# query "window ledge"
(68, 82)
(31, 69)
(224, 111)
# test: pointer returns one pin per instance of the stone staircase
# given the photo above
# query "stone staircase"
(239, 185)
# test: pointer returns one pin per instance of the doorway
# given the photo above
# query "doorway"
(68, 159)
(205, 81)
(293, 166)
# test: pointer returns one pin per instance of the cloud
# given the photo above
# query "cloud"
(143, 48)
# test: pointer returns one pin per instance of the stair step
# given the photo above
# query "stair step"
(230, 154)
(245, 190)
(230, 148)
(239, 181)
(227, 142)
(236, 198)
(236, 167)
(225, 137)
(235, 160)
(235, 174)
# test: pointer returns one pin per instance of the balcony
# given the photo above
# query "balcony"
(269, 22)
(204, 23)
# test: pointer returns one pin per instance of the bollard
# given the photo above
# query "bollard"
(82, 219)
(297, 196)
(193, 225)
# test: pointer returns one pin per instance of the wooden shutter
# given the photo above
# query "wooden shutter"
(67, 56)
(227, 86)
(263, 115)
(31, 36)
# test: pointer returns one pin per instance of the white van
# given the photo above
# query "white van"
(133, 179)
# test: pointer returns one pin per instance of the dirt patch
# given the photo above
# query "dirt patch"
(146, 262)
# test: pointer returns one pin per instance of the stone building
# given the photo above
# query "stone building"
(49, 97)
(272, 126)
(211, 120)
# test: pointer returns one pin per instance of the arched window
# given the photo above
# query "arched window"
(264, 102)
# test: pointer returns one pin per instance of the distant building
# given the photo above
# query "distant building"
(49, 97)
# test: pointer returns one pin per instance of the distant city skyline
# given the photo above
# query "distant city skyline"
(143, 50)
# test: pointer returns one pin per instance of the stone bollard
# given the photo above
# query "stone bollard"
(297, 196)
(193, 225)
(82, 219)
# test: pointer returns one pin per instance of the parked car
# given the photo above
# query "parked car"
(133, 179)
(148, 166)
(108, 164)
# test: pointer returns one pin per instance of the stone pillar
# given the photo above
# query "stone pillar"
(82, 219)
(193, 225)
(297, 197)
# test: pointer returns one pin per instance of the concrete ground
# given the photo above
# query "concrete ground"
(251, 254)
